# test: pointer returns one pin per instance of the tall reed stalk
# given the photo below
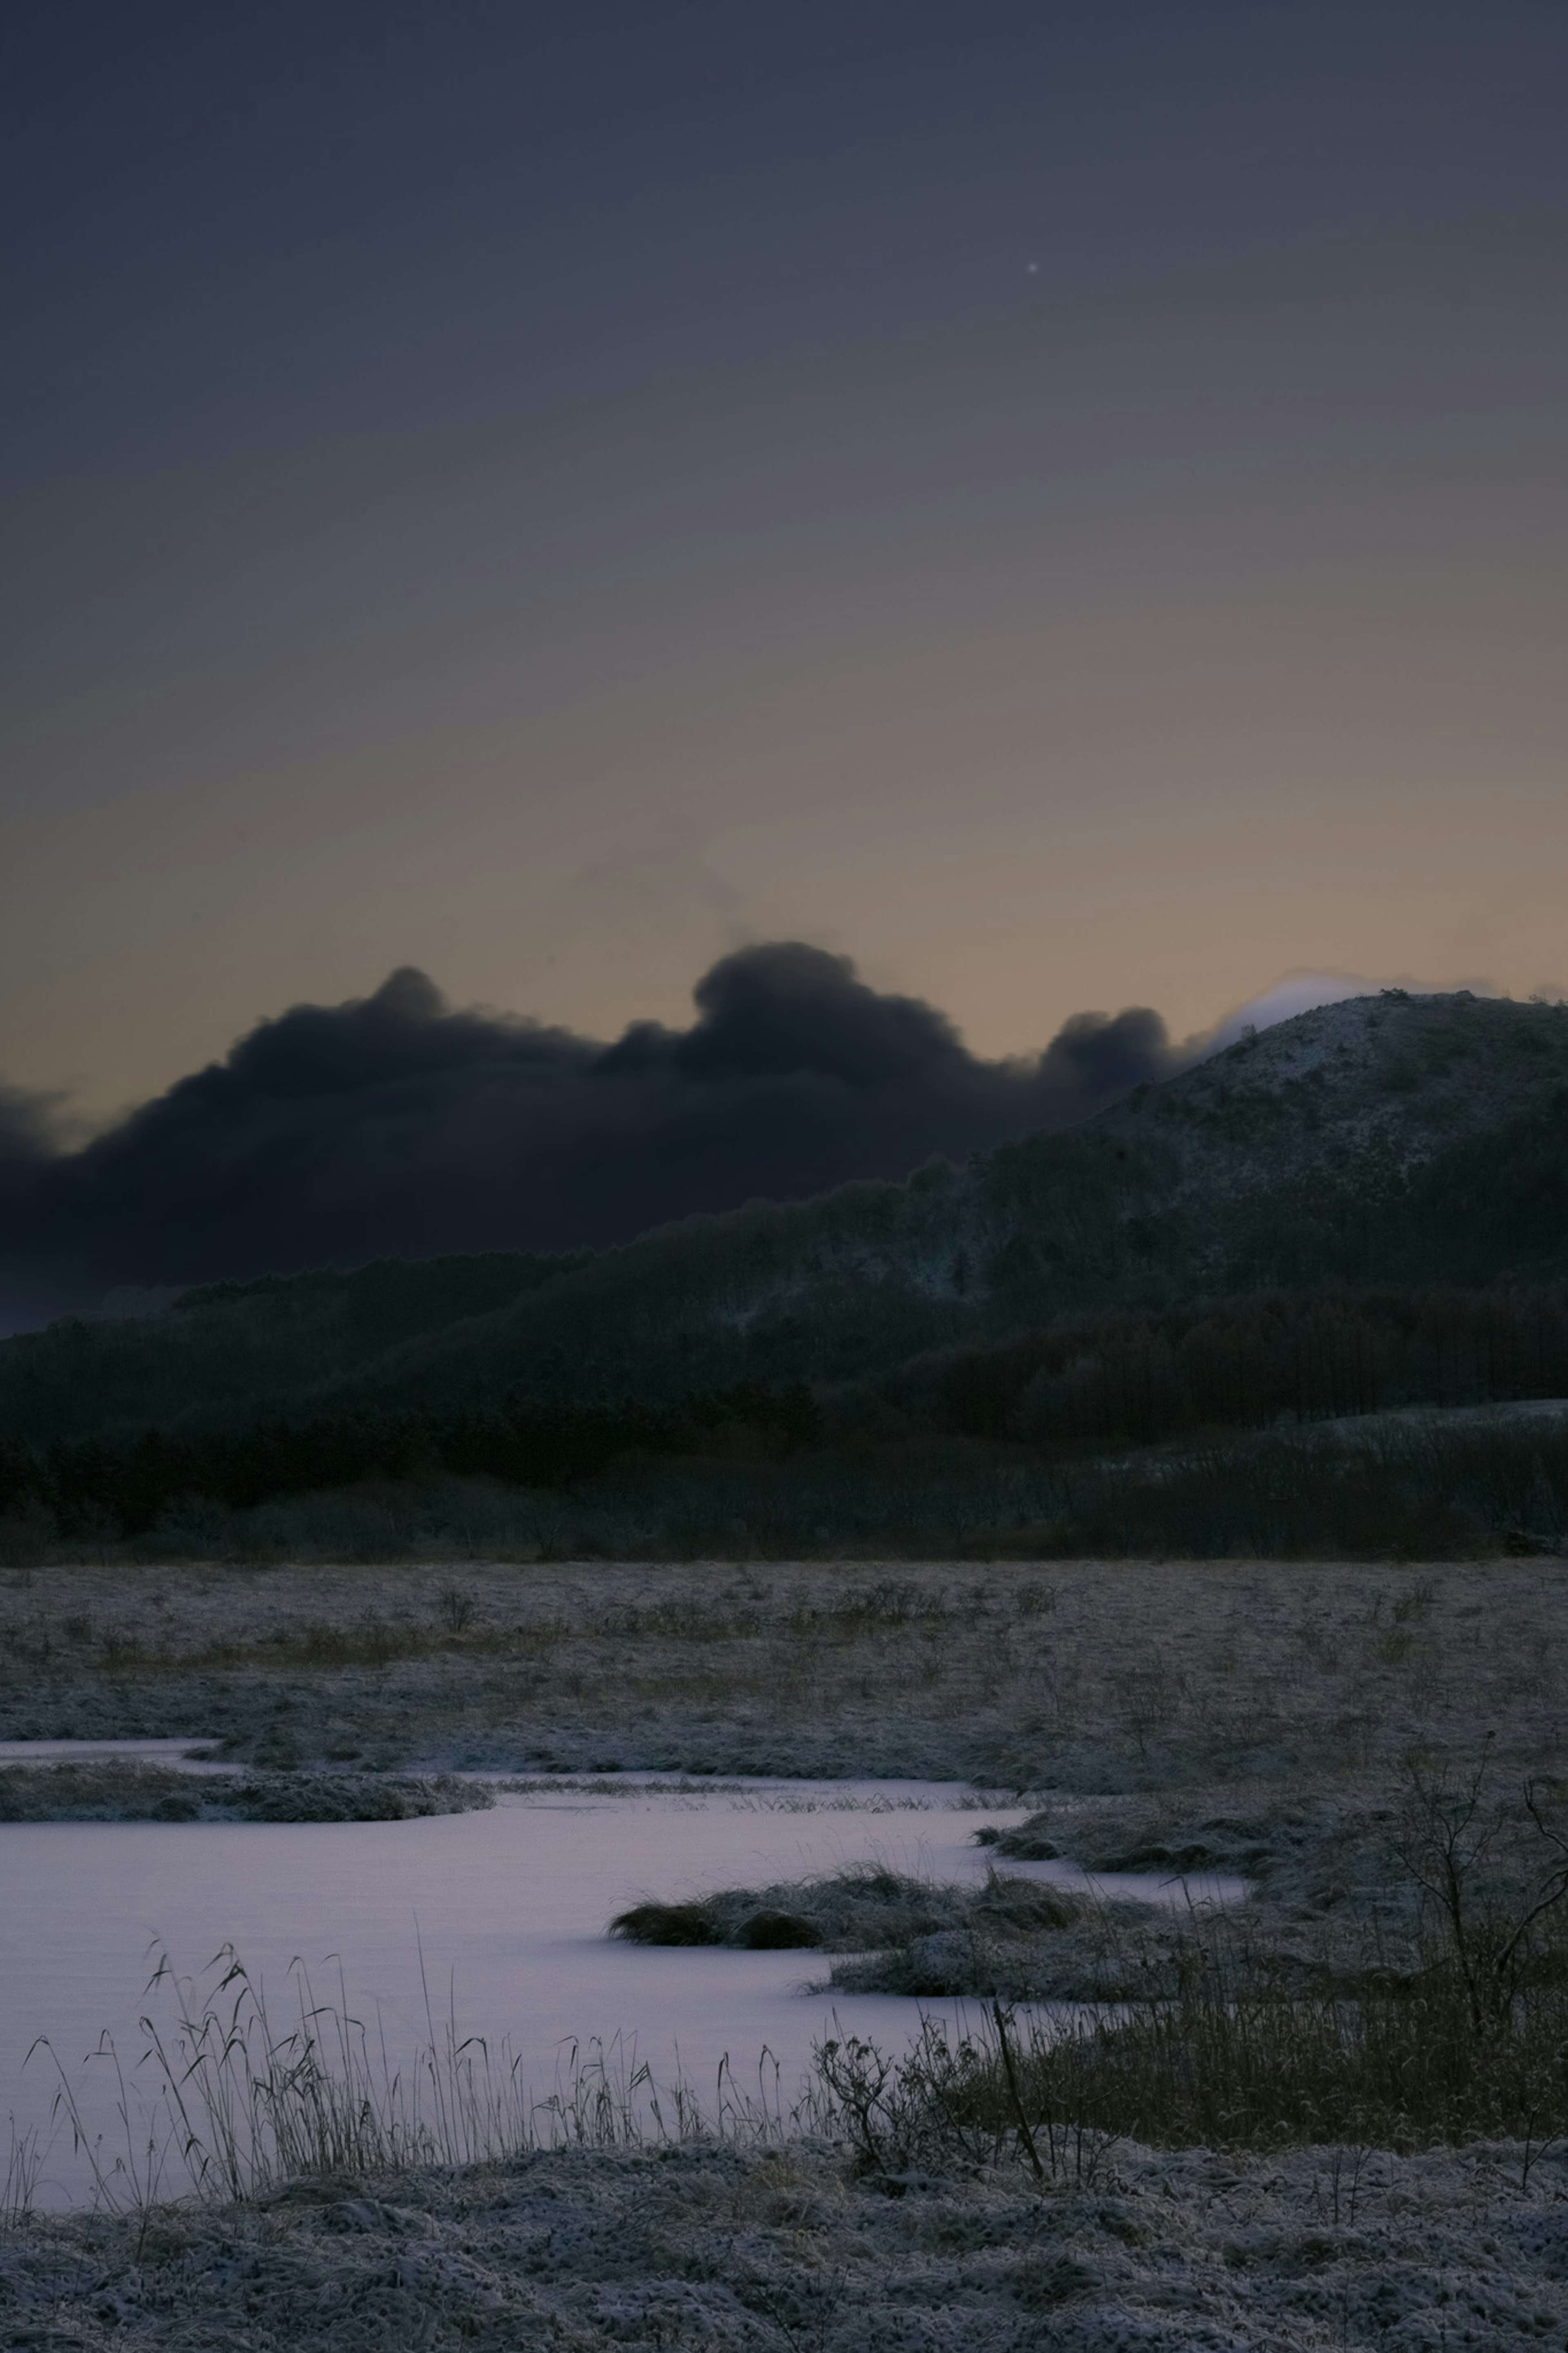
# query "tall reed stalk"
(228, 2100)
(1224, 2061)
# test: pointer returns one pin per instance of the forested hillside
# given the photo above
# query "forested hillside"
(223, 1350)
(1389, 1141)
(1078, 1388)
(1127, 1376)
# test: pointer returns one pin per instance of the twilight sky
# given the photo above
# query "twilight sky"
(1067, 505)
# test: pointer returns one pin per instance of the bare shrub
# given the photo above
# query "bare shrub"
(456, 1610)
(1494, 1871)
(972, 2096)
(1228, 2042)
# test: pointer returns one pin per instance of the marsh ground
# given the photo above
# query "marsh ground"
(1273, 1710)
(783, 2251)
(1089, 1677)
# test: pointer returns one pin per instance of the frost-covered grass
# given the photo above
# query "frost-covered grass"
(117, 1790)
(972, 2194)
(1221, 2059)
(1331, 2249)
(1433, 2009)
(866, 1910)
(1281, 1721)
(1091, 1676)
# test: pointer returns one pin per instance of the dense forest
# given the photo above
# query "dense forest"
(1126, 1377)
(124, 1484)
(1082, 1391)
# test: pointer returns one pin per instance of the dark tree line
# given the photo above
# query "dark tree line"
(1132, 1377)
(1081, 1385)
(123, 1482)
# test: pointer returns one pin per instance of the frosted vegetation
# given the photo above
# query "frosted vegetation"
(721, 2244)
(1327, 2111)
(1078, 1677)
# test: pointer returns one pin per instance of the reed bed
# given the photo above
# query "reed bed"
(1218, 2065)
(230, 2098)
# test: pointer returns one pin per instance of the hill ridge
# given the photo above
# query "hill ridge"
(1387, 1138)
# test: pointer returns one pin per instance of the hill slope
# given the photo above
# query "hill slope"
(1388, 1139)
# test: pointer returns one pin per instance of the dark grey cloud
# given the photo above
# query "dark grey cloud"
(394, 1124)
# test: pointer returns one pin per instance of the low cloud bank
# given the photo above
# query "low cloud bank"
(394, 1124)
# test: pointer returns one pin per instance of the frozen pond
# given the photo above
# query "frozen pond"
(510, 1908)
